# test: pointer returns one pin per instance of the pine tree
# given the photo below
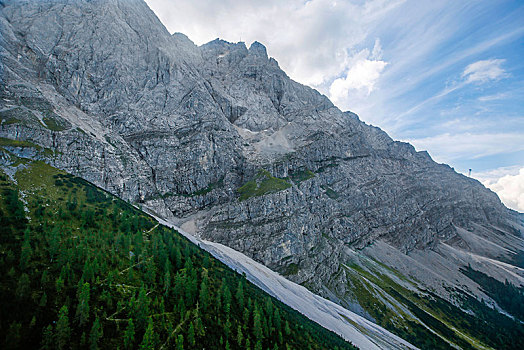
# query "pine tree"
(245, 317)
(287, 330)
(240, 336)
(178, 258)
(63, 332)
(47, 338)
(239, 295)
(44, 279)
(12, 339)
(149, 336)
(142, 308)
(23, 288)
(167, 282)
(180, 342)
(95, 334)
(257, 325)
(277, 320)
(43, 300)
(226, 297)
(26, 253)
(59, 285)
(203, 297)
(82, 310)
(191, 335)
(227, 327)
(199, 328)
(129, 335)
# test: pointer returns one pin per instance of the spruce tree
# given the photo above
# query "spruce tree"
(257, 325)
(148, 339)
(287, 330)
(203, 298)
(47, 338)
(240, 336)
(191, 335)
(95, 334)
(82, 310)
(239, 295)
(129, 335)
(63, 332)
(180, 342)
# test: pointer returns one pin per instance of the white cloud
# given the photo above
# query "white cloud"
(448, 147)
(362, 74)
(493, 175)
(484, 71)
(510, 189)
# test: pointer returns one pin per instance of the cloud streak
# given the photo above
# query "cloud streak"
(484, 71)
(453, 146)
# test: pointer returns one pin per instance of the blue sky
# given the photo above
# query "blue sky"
(446, 76)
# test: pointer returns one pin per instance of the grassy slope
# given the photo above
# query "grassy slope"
(405, 312)
(76, 265)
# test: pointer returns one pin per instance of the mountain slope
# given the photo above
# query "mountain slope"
(82, 268)
(220, 141)
(354, 328)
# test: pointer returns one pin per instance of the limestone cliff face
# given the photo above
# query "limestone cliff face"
(220, 139)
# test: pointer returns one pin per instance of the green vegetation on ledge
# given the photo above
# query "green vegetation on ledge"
(47, 152)
(479, 327)
(301, 175)
(262, 184)
(80, 268)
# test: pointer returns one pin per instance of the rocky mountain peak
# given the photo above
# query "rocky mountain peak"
(258, 49)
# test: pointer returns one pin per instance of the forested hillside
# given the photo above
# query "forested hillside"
(80, 268)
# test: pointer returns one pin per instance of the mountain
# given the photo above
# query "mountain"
(82, 268)
(218, 140)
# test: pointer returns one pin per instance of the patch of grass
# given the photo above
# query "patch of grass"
(208, 189)
(18, 143)
(263, 183)
(291, 269)
(18, 115)
(301, 175)
(330, 192)
(56, 124)
(395, 321)
(47, 152)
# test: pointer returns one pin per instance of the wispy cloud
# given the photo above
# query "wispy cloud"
(447, 147)
(484, 71)
(475, 73)
(495, 97)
